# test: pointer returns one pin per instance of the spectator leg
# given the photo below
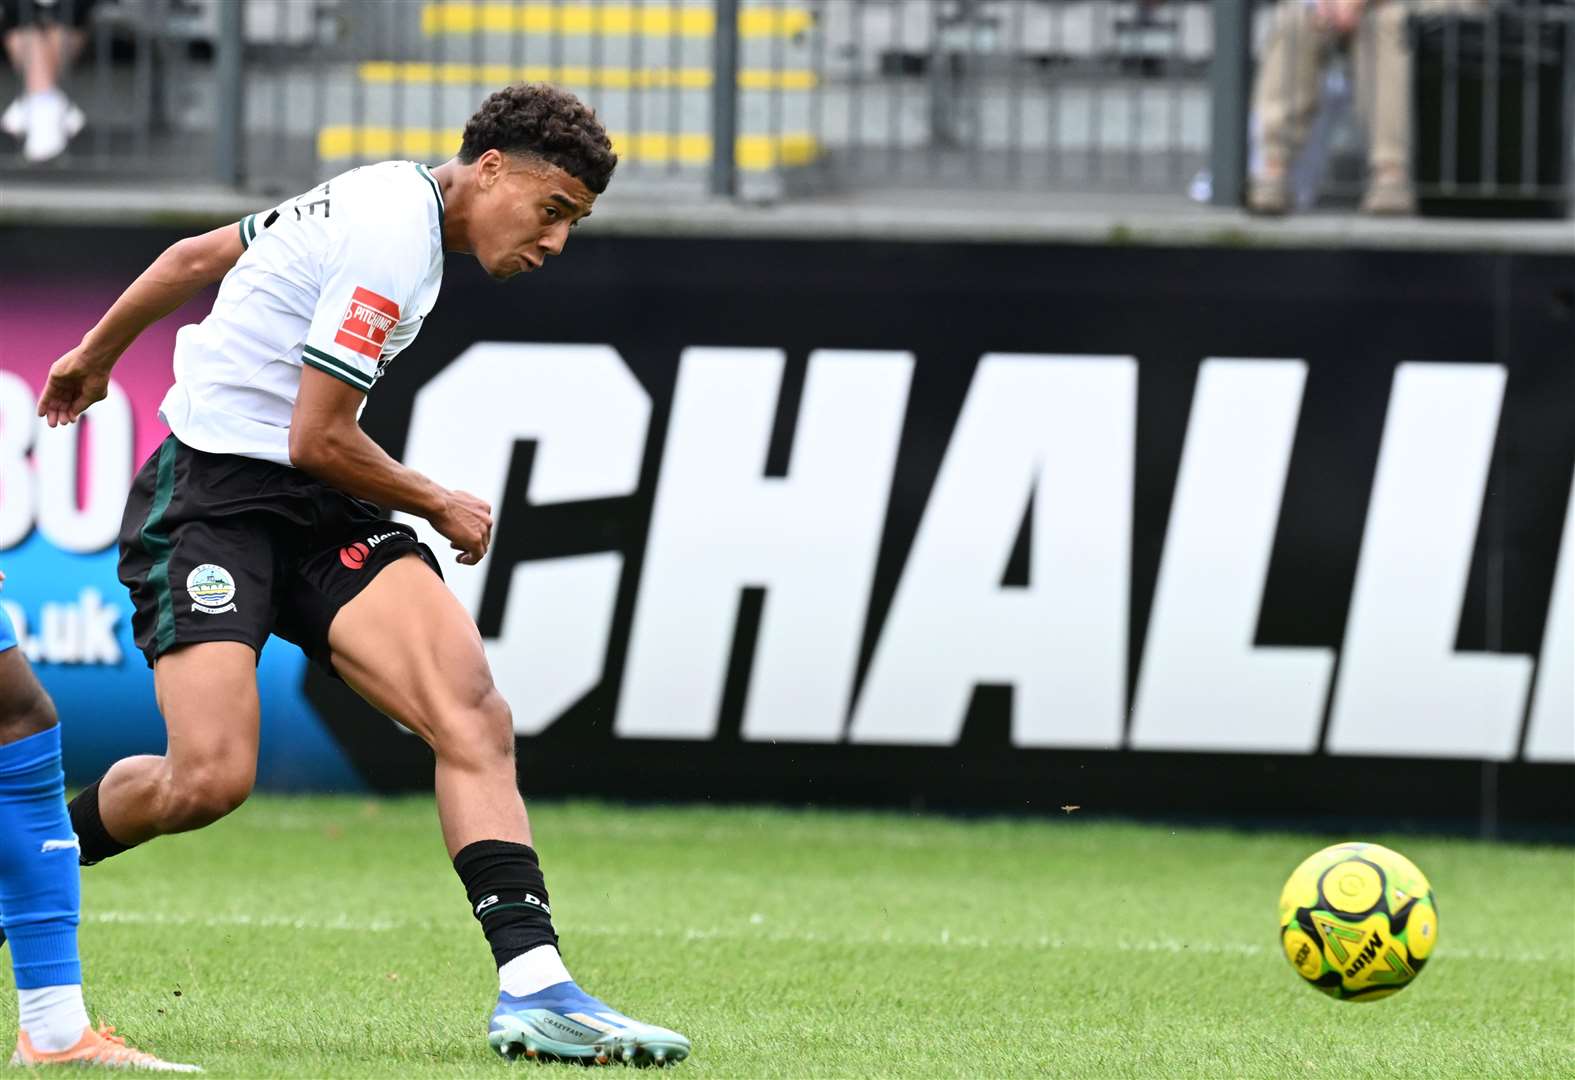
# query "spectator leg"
(1285, 91)
(1383, 80)
(41, 52)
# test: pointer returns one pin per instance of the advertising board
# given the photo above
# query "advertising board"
(1140, 530)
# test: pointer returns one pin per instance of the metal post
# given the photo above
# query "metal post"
(724, 100)
(1229, 89)
(229, 165)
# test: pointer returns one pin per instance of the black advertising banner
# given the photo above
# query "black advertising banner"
(1179, 531)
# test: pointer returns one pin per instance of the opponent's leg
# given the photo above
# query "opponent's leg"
(406, 645)
(208, 695)
(39, 889)
(39, 892)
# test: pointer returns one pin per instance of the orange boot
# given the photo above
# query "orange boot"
(102, 1047)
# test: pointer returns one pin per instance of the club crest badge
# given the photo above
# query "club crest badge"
(212, 589)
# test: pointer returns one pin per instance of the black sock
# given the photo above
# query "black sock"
(96, 843)
(507, 896)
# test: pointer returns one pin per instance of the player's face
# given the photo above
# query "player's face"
(525, 215)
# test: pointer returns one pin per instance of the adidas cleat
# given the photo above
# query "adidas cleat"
(564, 1023)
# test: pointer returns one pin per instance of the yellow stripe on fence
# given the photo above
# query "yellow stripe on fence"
(752, 152)
(616, 20)
(608, 78)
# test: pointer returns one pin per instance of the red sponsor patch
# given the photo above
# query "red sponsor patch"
(367, 322)
(354, 556)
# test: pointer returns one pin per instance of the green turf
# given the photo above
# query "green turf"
(329, 937)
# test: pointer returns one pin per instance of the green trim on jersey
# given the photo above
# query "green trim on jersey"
(437, 192)
(332, 365)
(248, 231)
(157, 542)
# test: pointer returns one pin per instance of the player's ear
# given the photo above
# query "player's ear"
(489, 168)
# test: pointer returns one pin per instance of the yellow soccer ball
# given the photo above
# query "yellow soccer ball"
(1358, 921)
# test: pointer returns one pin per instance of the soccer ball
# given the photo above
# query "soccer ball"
(1358, 921)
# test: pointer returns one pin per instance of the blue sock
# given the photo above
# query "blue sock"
(40, 892)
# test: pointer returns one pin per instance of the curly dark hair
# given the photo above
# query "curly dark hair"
(539, 120)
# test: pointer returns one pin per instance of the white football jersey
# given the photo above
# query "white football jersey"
(339, 278)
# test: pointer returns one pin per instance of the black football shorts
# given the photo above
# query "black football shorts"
(216, 547)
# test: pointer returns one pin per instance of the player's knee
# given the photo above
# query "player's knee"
(28, 715)
(200, 796)
(498, 724)
(479, 733)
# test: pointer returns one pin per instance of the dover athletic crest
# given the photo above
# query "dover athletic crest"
(212, 589)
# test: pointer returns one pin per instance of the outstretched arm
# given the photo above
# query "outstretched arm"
(81, 377)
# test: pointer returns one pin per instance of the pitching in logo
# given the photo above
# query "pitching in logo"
(212, 589)
(366, 323)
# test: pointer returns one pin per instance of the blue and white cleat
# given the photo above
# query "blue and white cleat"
(565, 1023)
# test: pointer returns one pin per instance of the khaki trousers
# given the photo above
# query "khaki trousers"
(1285, 92)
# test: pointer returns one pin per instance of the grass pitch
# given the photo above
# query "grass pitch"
(329, 937)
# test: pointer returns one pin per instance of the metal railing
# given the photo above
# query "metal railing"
(1076, 95)
(767, 98)
(648, 68)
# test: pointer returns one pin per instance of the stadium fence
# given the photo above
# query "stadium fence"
(764, 99)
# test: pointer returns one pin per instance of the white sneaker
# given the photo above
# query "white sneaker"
(46, 125)
(14, 120)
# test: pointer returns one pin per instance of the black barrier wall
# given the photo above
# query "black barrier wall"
(1203, 532)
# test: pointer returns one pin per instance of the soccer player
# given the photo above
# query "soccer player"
(266, 512)
(39, 889)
